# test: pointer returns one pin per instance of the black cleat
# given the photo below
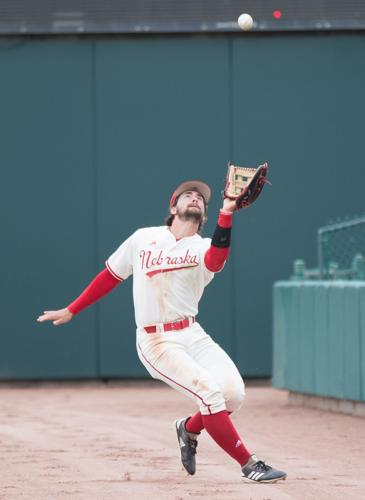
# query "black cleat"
(257, 471)
(187, 446)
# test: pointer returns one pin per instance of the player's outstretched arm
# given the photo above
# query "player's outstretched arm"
(57, 317)
(217, 254)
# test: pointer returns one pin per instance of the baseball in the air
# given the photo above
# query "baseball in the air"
(245, 22)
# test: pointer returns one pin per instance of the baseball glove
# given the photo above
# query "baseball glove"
(244, 184)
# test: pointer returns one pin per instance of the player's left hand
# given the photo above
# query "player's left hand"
(229, 205)
(244, 185)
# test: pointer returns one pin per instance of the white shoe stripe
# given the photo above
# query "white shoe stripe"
(259, 474)
(255, 476)
(251, 474)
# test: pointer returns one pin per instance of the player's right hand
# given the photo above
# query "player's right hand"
(57, 317)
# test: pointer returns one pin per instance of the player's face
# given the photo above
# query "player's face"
(190, 205)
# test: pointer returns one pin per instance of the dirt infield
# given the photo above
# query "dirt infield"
(106, 442)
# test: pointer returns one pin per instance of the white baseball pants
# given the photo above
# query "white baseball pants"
(192, 363)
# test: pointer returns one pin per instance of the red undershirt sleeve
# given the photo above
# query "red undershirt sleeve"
(217, 254)
(102, 284)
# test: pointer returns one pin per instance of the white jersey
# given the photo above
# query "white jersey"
(169, 276)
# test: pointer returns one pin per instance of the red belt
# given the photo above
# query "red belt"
(167, 327)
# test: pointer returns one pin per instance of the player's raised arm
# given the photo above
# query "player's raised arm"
(217, 254)
(100, 286)
(243, 186)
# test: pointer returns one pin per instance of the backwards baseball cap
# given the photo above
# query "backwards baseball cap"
(199, 186)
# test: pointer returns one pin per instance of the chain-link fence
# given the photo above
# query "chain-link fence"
(341, 249)
(341, 252)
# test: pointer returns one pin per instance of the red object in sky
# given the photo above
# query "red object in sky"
(277, 14)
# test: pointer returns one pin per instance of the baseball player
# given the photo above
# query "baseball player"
(171, 265)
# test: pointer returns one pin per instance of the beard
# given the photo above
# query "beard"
(190, 214)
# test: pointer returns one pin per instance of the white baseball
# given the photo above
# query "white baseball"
(245, 22)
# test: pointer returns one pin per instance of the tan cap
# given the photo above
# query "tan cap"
(199, 186)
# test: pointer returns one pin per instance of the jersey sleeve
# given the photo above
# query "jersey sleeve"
(208, 275)
(216, 256)
(120, 263)
(102, 284)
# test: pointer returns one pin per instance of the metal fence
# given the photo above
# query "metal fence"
(341, 252)
(341, 249)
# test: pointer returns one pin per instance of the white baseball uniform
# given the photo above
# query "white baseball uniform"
(169, 277)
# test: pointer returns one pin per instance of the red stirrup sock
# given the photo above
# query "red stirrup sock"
(194, 423)
(220, 427)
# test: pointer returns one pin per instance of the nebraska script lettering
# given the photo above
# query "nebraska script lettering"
(148, 260)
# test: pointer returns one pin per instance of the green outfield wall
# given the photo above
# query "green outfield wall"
(95, 134)
(319, 338)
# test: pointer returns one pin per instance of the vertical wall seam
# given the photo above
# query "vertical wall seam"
(95, 204)
(231, 154)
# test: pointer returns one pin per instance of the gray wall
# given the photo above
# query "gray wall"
(95, 135)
